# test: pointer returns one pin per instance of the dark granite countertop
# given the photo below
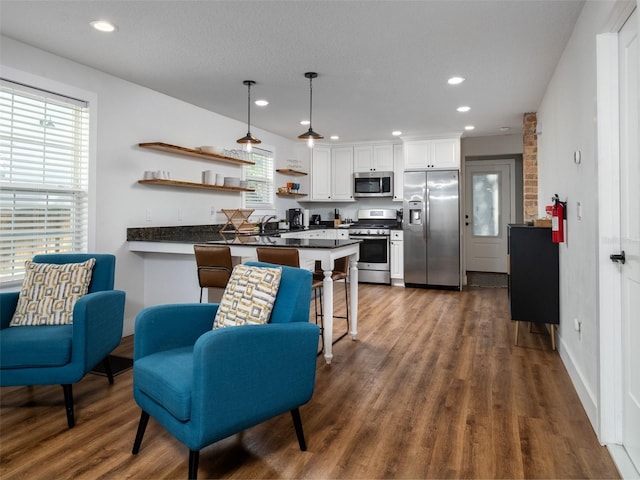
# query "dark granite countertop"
(266, 241)
(202, 233)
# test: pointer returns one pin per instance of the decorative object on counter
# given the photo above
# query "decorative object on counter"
(310, 136)
(248, 139)
(238, 219)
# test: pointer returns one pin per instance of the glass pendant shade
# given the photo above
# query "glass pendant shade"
(248, 139)
(310, 136)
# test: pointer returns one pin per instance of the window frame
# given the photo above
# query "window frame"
(91, 98)
(262, 208)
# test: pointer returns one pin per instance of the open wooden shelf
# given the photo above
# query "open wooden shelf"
(288, 171)
(179, 183)
(287, 194)
(191, 152)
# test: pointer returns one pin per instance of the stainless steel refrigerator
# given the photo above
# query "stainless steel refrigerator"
(431, 225)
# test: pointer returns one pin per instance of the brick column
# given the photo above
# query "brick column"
(530, 166)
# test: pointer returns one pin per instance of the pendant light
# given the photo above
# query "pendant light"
(248, 139)
(310, 136)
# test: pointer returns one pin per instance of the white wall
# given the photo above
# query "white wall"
(492, 145)
(568, 117)
(128, 114)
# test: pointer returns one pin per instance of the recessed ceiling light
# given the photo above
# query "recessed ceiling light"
(504, 129)
(334, 137)
(469, 127)
(305, 122)
(464, 108)
(261, 103)
(455, 80)
(396, 133)
(103, 26)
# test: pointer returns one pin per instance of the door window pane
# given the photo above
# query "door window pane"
(486, 204)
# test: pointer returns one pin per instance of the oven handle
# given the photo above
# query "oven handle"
(368, 237)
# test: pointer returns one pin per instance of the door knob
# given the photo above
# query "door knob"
(618, 257)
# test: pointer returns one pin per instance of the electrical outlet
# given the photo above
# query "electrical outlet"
(212, 212)
(179, 214)
(147, 215)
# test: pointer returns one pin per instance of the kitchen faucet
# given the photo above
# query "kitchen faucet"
(263, 222)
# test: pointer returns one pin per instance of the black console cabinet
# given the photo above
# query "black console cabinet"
(534, 277)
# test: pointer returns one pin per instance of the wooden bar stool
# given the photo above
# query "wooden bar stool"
(291, 258)
(214, 266)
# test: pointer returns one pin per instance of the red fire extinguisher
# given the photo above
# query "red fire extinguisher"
(557, 220)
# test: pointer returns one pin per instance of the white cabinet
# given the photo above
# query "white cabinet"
(332, 174)
(372, 158)
(425, 154)
(321, 173)
(342, 173)
(398, 173)
(396, 259)
(341, 234)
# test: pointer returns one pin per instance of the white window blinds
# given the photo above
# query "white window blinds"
(43, 176)
(260, 178)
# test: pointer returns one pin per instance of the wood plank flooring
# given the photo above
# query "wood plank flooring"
(432, 388)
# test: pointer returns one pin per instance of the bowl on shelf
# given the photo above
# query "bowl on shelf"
(211, 149)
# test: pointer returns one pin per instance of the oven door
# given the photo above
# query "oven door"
(374, 252)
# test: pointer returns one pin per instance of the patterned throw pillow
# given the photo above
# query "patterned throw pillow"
(49, 292)
(249, 296)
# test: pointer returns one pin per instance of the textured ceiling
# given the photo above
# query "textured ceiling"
(383, 65)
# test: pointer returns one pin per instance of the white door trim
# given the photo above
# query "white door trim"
(610, 427)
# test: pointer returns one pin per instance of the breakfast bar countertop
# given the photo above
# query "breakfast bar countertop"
(244, 246)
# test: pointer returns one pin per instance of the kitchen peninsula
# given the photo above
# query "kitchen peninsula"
(166, 241)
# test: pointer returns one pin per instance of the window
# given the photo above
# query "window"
(260, 178)
(43, 176)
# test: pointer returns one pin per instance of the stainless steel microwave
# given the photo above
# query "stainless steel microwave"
(373, 184)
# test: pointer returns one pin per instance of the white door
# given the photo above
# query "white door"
(490, 207)
(629, 54)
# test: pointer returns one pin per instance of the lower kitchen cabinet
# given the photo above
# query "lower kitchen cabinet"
(396, 257)
(534, 277)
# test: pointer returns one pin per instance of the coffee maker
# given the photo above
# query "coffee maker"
(294, 215)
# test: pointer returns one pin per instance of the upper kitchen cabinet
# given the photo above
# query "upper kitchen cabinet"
(373, 158)
(398, 173)
(332, 174)
(439, 153)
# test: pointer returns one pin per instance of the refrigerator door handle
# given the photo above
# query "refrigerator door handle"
(427, 227)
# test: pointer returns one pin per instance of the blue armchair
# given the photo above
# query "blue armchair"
(203, 385)
(63, 354)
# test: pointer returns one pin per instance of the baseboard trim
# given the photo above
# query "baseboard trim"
(587, 397)
(623, 463)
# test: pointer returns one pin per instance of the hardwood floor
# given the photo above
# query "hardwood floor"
(432, 388)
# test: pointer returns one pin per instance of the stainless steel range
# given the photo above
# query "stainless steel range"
(374, 229)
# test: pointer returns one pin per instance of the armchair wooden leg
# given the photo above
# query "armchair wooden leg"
(68, 403)
(297, 423)
(194, 456)
(106, 363)
(142, 425)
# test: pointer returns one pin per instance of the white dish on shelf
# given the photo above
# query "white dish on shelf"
(231, 181)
